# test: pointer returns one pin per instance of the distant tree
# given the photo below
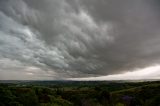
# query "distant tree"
(6, 97)
(155, 101)
(104, 97)
(27, 97)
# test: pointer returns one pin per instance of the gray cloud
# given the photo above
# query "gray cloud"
(79, 38)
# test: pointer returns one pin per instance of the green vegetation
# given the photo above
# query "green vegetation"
(78, 93)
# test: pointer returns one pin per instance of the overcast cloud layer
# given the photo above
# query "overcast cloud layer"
(43, 39)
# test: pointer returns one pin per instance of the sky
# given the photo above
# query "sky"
(79, 39)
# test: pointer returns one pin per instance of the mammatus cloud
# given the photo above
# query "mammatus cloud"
(54, 39)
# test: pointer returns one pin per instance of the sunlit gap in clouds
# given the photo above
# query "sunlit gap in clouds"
(151, 72)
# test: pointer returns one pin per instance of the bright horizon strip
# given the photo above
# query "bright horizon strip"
(152, 72)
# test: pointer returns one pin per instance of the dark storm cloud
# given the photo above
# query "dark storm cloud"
(79, 38)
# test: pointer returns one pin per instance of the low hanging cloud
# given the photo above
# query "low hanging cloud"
(78, 38)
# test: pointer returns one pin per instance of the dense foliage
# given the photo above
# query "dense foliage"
(48, 93)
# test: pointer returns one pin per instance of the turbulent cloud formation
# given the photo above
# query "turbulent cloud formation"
(43, 39)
